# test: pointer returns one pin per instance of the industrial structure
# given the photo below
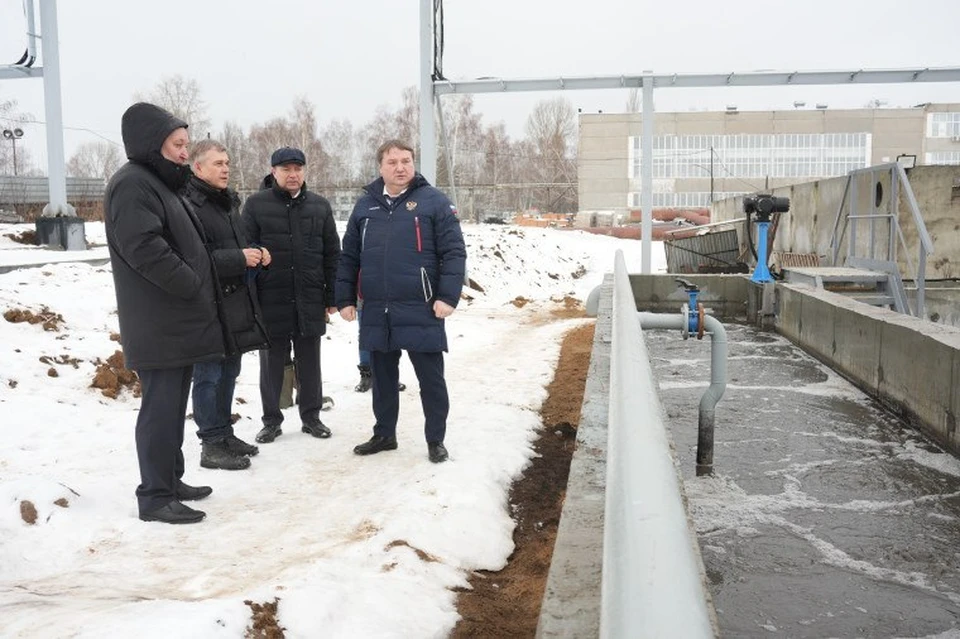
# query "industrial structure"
(701, 157)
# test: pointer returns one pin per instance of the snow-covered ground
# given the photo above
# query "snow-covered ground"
(351, 547)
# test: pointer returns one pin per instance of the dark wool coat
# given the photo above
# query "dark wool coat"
(302, 238)
(400, 256)
(219, 213)
(164, 281)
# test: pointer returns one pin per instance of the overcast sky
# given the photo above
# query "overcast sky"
(253, 58)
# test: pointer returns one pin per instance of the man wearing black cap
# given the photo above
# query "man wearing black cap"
(296, 290)
(166, 300)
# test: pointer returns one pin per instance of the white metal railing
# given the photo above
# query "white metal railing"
(652, 584)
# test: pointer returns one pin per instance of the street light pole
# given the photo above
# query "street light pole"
(13, 135)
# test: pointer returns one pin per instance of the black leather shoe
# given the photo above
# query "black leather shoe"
(317, 429)
(268, 433)
(174, 513)
(375, 445)
(437, 452)
(186, 492)
(240, 447)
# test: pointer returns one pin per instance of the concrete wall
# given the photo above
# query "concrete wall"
(911, 365)
(808, 227)
(723, 295)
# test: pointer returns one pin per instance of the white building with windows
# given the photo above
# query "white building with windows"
(700, 156)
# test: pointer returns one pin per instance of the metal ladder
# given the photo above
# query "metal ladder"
(883, 223)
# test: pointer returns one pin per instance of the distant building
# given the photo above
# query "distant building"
(746, 151)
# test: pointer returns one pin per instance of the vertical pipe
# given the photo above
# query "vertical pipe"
(718, 378)
(56, 163)
(31, 33)
(428, 139)
(708, 402)
(646, 184)
(854, 211)
(893, 208)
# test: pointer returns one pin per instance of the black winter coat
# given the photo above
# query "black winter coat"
(400, 256)
(301, 235)
(219, 213)
(161, 270)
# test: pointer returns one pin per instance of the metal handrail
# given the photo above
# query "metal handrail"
(898, 177)
(651, 584)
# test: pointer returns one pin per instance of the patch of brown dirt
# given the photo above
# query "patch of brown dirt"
(519, 301)
(28, 512)
(61, 359)
(112, 376)
(424, 556)
(23, 237)
(264, 623)
(507, 603)
(48, 319)
(568, 308)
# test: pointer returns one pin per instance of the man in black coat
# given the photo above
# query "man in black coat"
(166, 301)
(404, 255)
(296, 291)
(234, 262)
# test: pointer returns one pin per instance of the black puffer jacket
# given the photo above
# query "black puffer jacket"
(162, 273)
(301, 236)
(219, 213)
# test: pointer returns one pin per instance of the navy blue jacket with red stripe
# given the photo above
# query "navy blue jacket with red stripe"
(399, 256)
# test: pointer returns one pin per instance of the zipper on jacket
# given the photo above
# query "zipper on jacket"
(416, 222)
(425, 284)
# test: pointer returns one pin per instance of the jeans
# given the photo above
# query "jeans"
(213, 385)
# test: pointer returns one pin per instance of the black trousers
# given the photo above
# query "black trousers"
(163, 409)
(385, 367)
(306, 355)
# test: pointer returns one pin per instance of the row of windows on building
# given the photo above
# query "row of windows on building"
(942, 157)
(686, 199)
(787, 155)
(943, 125)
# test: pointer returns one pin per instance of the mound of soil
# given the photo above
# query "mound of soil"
(48, 319)
(507, 603)
(112, 376)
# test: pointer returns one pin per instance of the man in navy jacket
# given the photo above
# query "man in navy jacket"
(404, 255)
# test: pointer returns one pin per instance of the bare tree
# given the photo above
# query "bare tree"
(341, 144)
(303, 126)
(95, 159)
(551, 129)
(182, 97)
(245, 168)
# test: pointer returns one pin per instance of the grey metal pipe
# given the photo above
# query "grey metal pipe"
(718, 378)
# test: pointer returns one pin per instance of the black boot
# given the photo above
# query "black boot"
(366, 379)
(268, 433)
(219, 455)
(241, 447)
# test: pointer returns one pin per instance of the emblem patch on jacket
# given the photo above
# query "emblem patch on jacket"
(411, 205)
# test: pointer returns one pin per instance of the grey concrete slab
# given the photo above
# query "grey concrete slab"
(916, 372)
(817, 324)
(789, 311)
(857, 345)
